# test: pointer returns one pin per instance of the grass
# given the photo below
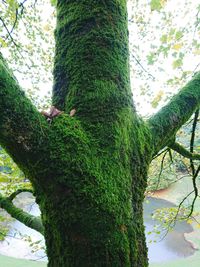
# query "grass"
(192, 261)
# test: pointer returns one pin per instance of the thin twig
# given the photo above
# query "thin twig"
(138, 62)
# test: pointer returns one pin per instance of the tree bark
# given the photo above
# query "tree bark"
(91, 75)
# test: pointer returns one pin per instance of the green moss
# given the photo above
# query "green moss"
(94, 182)
(94, 58)
(23, 129)
(171, 117)
(17, 213)
(100, 170)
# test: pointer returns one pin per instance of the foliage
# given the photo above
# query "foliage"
(26, 40)
(163, 39)
(35, 245)
(162, 173)
(11, 177)
(167, 218)
(170, 166)
(4, 225)
(163, 49)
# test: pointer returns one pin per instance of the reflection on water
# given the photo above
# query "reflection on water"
(165, 246)
(172, 246)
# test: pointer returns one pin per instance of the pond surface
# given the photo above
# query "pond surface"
(161, 248)
(168, 245)
(15, 244)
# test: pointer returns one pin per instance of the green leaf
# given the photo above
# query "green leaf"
(177, 63)
(157, 99)
(163, 38)
(151, 58)
(53, 2)
(178, 35)
(156, 5)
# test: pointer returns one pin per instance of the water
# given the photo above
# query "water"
(168, 245)
(172, 246)
(16, 243)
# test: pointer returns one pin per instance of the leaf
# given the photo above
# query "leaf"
(163, 38)
(53, 2)
(178, 35)
(156, 5)
(157, 99)
(177, 63)
(151, 58)
(196, 52)
(3, 44)
(177, 46)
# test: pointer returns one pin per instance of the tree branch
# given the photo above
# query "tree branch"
(23, 129)
(20, 215)
(184, 152)
(194, 125)
(166, 122)
(19, 191)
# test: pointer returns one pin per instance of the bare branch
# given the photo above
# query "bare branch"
(142, 67)
(194, 172)
(160, 153)
(9, 33)
(195, 191)
(161, 169)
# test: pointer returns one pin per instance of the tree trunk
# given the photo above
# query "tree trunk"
(92, 210)
(92, 203)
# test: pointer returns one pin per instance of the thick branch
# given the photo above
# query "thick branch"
(20, 215)
(170, 118)
(22, 127)
(184, 152)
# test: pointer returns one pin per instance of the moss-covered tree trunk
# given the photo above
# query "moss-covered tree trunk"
(89, 170)
(89, 219)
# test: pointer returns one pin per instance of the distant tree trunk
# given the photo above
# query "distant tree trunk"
(89, 170)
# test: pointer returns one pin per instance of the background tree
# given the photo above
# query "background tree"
(89, 171)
